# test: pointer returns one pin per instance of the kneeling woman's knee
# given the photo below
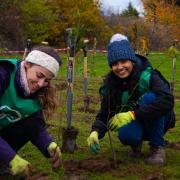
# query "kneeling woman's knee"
(147, 98)
(130, 136)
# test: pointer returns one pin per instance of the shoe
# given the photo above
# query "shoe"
(157, 156)
(135, 150)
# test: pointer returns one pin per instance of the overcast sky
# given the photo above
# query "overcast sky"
(118, 5)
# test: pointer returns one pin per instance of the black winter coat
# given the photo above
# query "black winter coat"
(113, 86)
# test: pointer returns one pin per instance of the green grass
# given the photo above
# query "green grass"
(129, 168)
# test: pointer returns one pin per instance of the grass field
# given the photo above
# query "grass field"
(128, 168)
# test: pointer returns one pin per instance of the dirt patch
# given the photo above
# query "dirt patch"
(155, 176)
(98, 164)
(38, 176)
(94, 100)
(75, 177)
(89, 110)
(177, 98)
(173, 145)
(86, 103)
(176, 91)
(61, 86)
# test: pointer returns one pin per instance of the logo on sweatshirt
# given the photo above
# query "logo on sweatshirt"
(9, 114)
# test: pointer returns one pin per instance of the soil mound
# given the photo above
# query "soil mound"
(98, 164)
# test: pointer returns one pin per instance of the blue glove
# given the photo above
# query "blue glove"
(120, 120)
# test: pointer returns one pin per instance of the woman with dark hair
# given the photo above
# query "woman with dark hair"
(26, 98)
(136, 102)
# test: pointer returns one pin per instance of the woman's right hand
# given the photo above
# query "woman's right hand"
(55, 155)
(20, 166)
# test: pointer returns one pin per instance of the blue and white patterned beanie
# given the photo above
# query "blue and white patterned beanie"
(119, 48)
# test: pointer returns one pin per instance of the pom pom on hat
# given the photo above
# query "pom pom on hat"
(118, 37)
(119, 48)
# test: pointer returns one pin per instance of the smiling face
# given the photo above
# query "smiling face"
(37, 77)
(122, 68)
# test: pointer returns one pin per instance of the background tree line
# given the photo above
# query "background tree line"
(47, 20)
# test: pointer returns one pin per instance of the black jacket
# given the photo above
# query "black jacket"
(113, 86)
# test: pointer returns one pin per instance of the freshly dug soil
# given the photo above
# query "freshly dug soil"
(89, 110)
(61, 86)
(155, 176)
(173, 145)
(38, 176)
(98, 164)
(86, 103)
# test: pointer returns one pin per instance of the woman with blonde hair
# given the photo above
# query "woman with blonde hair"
(26, 96)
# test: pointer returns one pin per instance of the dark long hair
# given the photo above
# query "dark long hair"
(116, 85)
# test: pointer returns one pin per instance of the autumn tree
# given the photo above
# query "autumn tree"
(38, 19)
(10, 25)
(130, 11)
(81, 14)
(164, 18)
(127, 22)
(24, 18)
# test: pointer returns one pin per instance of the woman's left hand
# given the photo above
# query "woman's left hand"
(120, 120)
(55, 155)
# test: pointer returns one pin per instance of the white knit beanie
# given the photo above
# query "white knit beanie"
(43, 59)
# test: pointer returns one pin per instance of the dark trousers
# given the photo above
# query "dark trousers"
(152, 131)
(19, 133)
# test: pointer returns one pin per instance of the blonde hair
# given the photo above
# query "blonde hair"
(48, 98)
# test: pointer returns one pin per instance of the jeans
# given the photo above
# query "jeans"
(152, 131)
